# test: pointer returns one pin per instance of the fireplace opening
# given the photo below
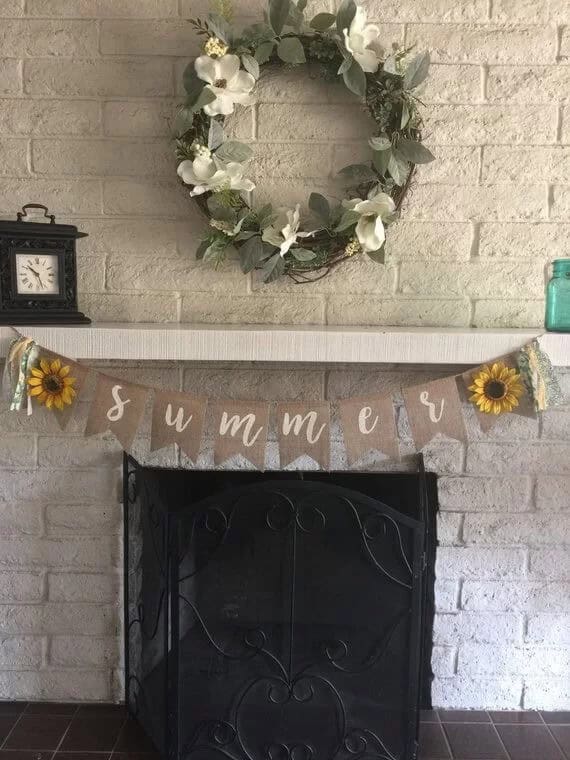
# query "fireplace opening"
(279, 615)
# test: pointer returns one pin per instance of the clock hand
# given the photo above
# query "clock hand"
(37, 276)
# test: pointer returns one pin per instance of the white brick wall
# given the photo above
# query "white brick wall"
(87, 94)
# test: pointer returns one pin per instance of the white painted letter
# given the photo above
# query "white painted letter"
(363, 416)
(235, 423)
(116, 412)
(178, 423)
(424, 399)
(296, 423)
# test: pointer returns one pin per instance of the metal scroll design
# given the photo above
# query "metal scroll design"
(230, 736)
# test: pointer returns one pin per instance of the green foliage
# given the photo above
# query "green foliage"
(234, 151)
(278, 14)
(320, 206)
(291, 50)
(417, 71)
(322, 21)
(345, 15)
(273, 268)
(355, 79)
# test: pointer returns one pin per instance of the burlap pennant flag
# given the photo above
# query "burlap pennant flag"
(117, 406)
(434, 408)
(368, 424)
(51, 375)
(177, 418)
(304, 428)
(486, 421)
(240, 428)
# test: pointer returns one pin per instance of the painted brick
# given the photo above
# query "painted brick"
(528, 529)
(443, 661)
(84, 651)
(79, 486)
(476, 693)
(66, 519)
(524, 596)
(482, 627)
(561, 202)
(124, 308)
(32, 552)
(546, 693)
(11, 8)
(17, 519)
(523, 240)
(102, 8)
(54, 618)
(559, 11)
(507, 164)
(295, 85)
(313, 122)
(98, 77)
(442, 11)
(134, 37)
(200, 308)
(549, 629)
(70, 451)
(565, 42)
(527, 84)
(484, 494)
(477, 562)
(499, 313)
(21, 587)
(66, 196)
(138, 118)
(134, 197)
(498, 124)
(355, 310)
(553, 493)
(551, 563)
(501, 458)
(159, 237)
(10, 77)
(269, 385)
(515, 11)
(282, 160)
(50, 117)
(419, 241)
(20, 653)
(446, 596)
(448, 83)
(464, 43)
(491, 659)
(556, 424)
(62, 685)
(33, 38)
(103, 158)
(449, 526)
(99, 588)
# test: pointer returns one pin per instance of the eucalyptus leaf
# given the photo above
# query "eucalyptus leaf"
(205, 97)
(321, 207)
(296, 18)
(415, 152)
(391, 65)
(345, 15)
(302, 254)
(382, 142)
(202, 248)
(246, 234)
(355, 79)
(381, 159)
(273, 268)
(356, 174)
(263, 52)
(251, 65)
(345, 65)
(216, 134)
(183, 120)
(322, 21)
(220, 211)
(219, 26)
(290, 50)
(192, 83)
(263, 214)
(251, 253)
(348, 219)
(233, 151)
(398, 167)
(301, 5)
(379, 255)
(405, 116)
(278, 14)
(215, 253)
(417, 71)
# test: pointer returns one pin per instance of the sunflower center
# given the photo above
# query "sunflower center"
(221, 83)
(496, 390)
(53, 384)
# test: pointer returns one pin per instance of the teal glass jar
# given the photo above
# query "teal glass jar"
(558, 297)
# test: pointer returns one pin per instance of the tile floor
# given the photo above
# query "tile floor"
(50, 731)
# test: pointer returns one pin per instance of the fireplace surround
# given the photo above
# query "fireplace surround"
(282, 615)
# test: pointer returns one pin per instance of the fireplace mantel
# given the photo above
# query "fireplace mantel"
(289, 343)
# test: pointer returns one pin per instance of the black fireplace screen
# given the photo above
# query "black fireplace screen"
(278, 616)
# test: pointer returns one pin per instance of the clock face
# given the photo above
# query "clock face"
(37, 274)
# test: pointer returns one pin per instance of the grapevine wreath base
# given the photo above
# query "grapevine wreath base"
(275, 240)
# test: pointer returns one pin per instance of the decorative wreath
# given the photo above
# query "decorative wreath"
(344, 45)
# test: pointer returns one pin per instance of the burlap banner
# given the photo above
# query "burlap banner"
(76, 376)
(117, 406)
(177, 418)
(434, 408)
(240, 428)
(368, 424)
(304, 429)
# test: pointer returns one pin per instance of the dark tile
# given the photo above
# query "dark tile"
(429, 716)
(555, 718)
(432, 742)
(25, 754)
(102, 708)
(562, 736)
(135, 756)
(12, 708)
(133, 739)
(81, 756)
(6, 724)
(529, 743)
(515, 716)
(38, 732)
(51, 708)
(476, 741)
(94, 734)
(464, 716)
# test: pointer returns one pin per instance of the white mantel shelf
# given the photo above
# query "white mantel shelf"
(221, 343)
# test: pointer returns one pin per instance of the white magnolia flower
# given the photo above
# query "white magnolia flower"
(226, 81)
(362, 40)
(370, 228)
(211, 174)
(284, 231)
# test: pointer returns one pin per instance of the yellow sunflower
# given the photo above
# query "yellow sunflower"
(496, 389)
(51, 384)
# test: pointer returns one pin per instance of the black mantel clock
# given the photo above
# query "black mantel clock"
(38, 273)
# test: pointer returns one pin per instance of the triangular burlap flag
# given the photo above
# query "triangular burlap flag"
(304, 429)
(73, 372)
(368, 424)
(177, 418)
(434, 408)
(117, 406)
(240, 428)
